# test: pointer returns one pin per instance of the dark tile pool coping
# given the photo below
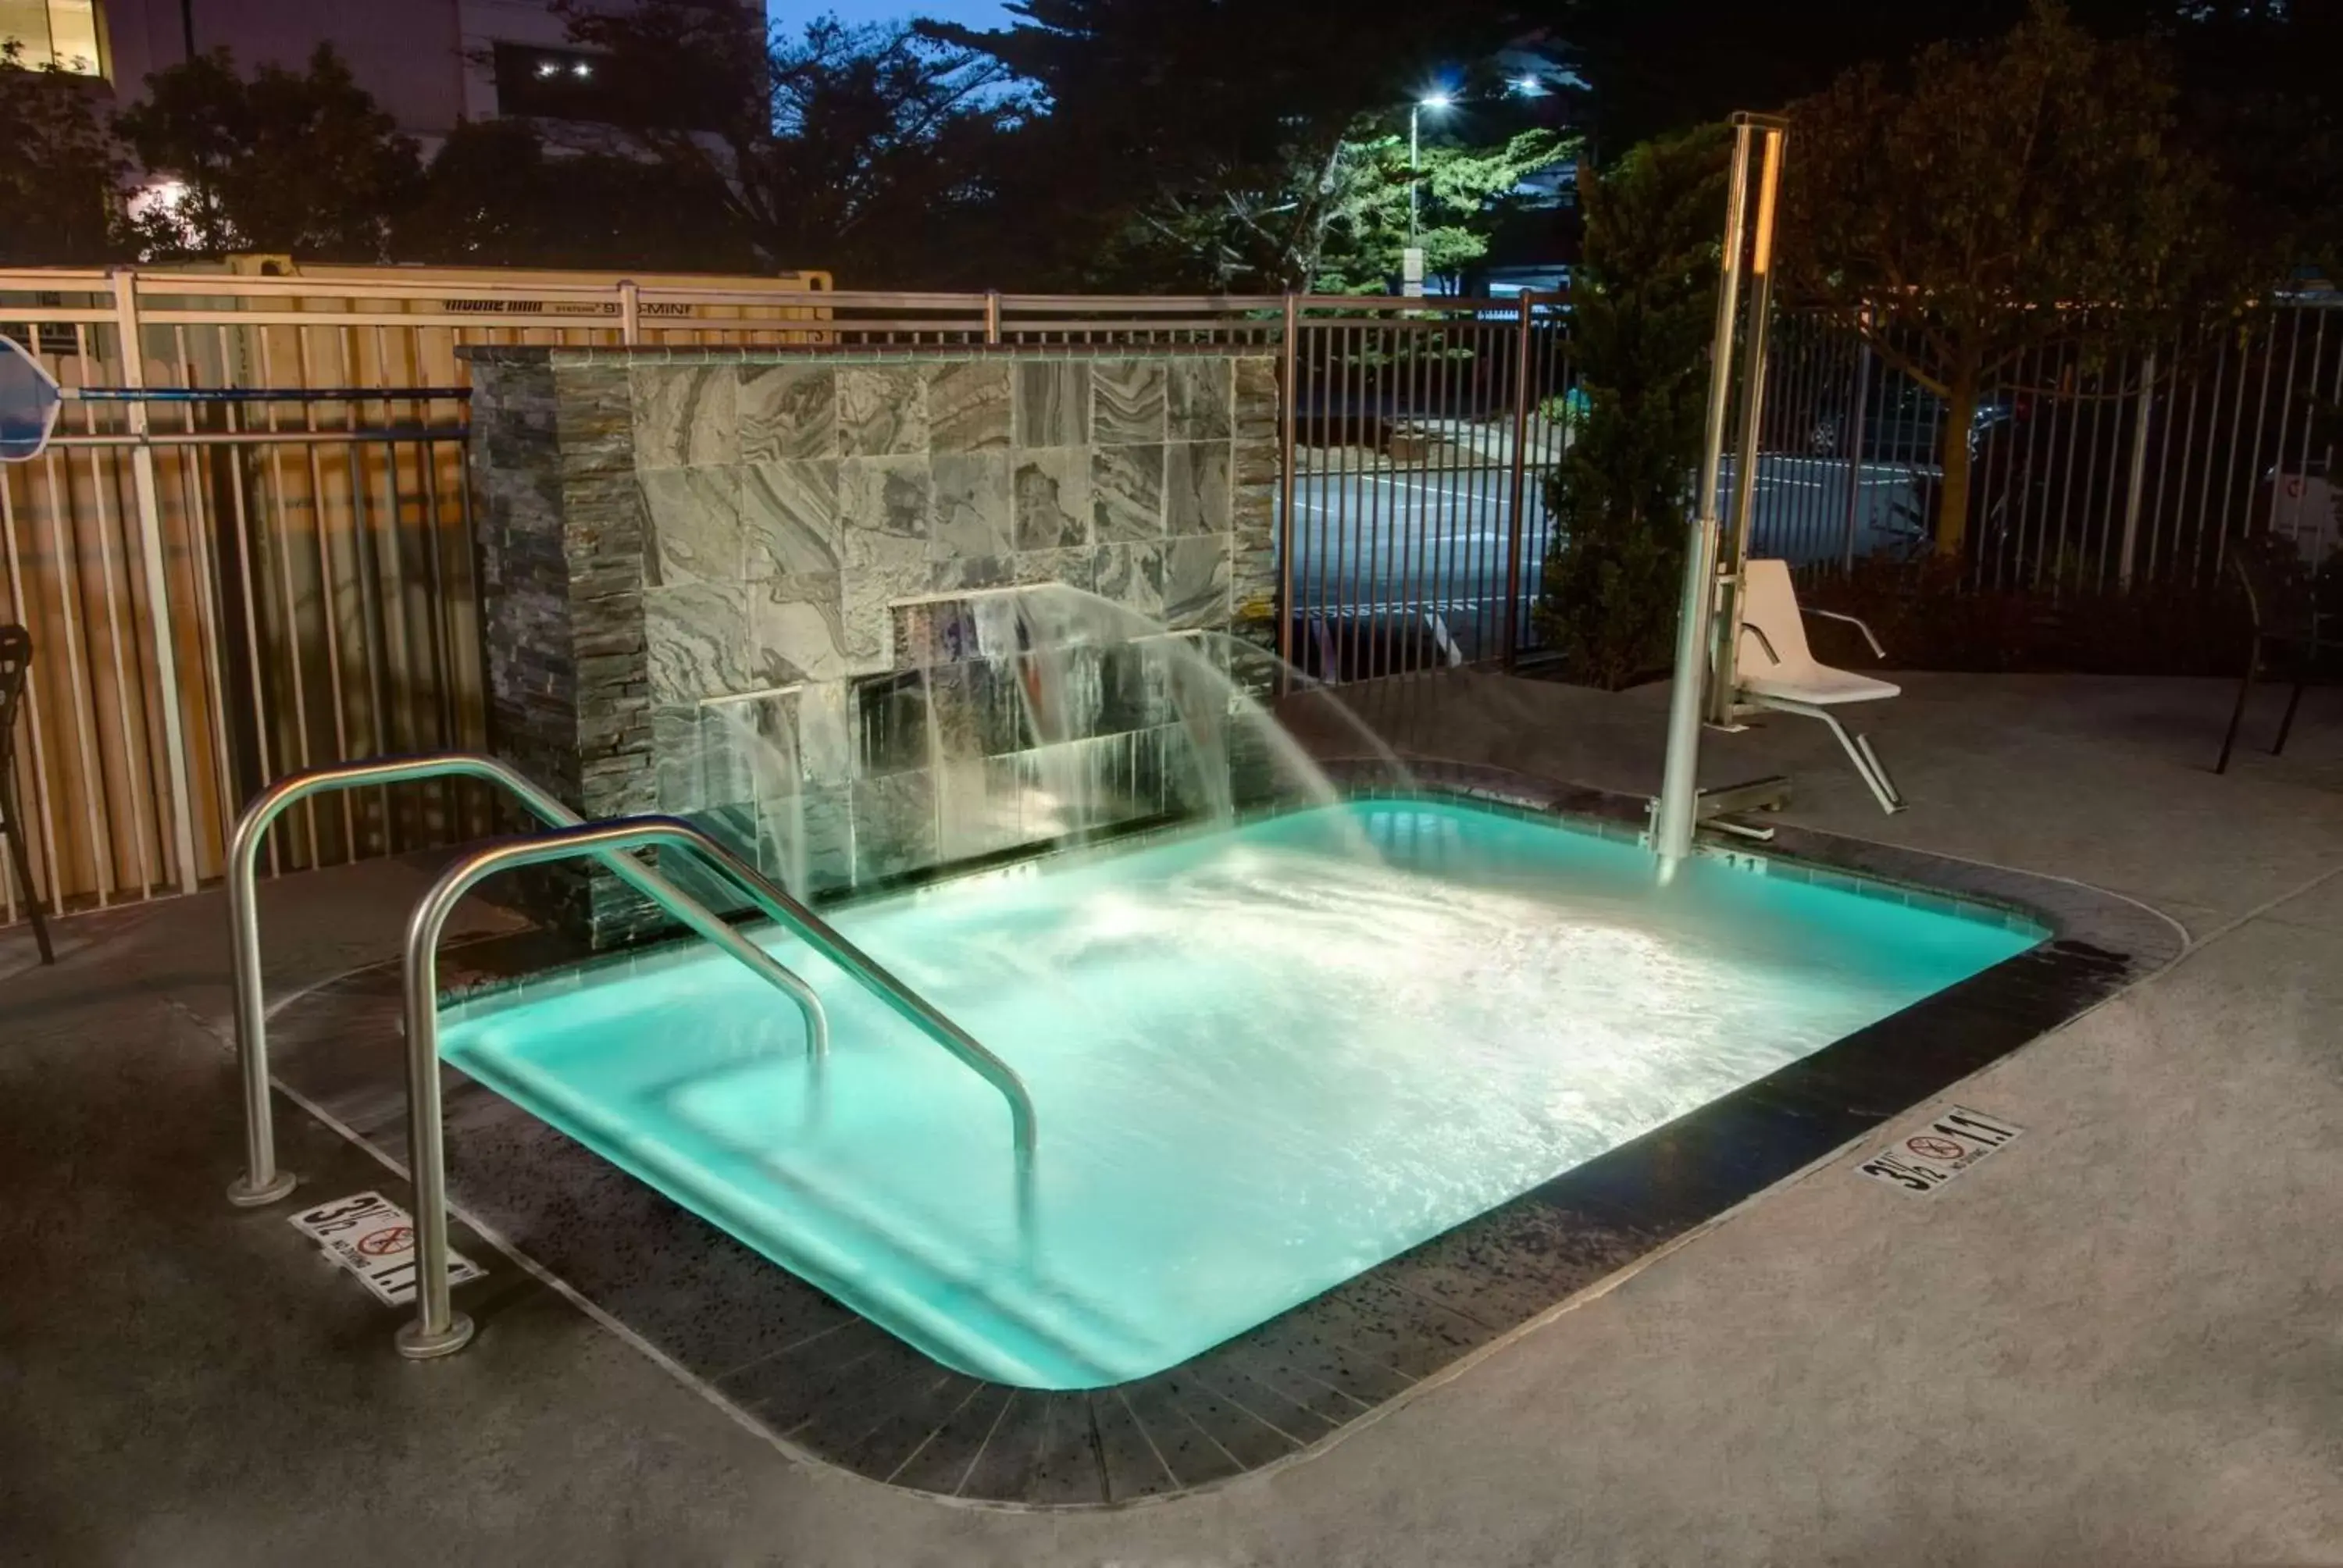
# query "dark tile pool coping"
(830, 1385)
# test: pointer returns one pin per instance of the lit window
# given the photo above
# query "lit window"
(61, 33)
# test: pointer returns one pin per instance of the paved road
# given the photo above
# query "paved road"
(1392, 549)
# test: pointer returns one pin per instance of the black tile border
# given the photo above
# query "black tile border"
(831, 1386)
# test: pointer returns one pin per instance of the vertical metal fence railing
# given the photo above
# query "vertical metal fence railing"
(2090, 472)
(269, 566)
(227, 587)
(1422, 432)
(273, 568)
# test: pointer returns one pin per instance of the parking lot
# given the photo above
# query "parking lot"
(1425, 549)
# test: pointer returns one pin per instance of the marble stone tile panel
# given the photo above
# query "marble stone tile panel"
(1053, 403)
(975, 505)
(787, 411)
(1075, 568)
(1052, 491)
(882, 410)
(1128, 401)
(961, 574)
(789, 514)
(1203, 398)
(797, 629)
(1132, 575)
(1196, 575)
(935, 631)
(692, 526)
(978, 707)
(698, 637)
(881, 570)
(1126, 493)
(1197, 492)
(968, 405)
(884, 496)
(686, 415)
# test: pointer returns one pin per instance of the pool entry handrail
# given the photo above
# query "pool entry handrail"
(439, 1329)
(262, 1183)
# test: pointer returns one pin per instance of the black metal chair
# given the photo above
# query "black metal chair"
(15, 669)
(2281, 598)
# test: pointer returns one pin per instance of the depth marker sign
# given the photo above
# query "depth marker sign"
(374, 1239)
(1924, 1160)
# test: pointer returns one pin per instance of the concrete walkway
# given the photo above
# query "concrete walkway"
(2120, 1341)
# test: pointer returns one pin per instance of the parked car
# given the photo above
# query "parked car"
(1901, 426)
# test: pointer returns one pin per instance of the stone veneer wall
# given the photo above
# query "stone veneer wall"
(683, 548)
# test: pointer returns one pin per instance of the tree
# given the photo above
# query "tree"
(1996, 200)
(493, 195)
(303, 161)
(1338, 224)
(61, 183)
(1644, 306)
(862, 149)
(1232, 125)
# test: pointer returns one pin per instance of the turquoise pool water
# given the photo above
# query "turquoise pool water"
(1264, 1060)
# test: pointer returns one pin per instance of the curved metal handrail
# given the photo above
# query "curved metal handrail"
(262, 1181)
(439, 1329)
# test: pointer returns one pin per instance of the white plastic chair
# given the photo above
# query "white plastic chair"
(1777, 670)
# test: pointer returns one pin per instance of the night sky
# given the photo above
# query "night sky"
(978, 13)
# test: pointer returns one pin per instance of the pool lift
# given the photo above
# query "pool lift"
(1729, 600)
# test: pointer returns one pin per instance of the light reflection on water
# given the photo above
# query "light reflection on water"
(1261, 1062)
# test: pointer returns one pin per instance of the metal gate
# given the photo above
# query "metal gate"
(1419, 436)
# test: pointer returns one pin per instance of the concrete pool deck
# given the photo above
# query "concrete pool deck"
(2118, 1340)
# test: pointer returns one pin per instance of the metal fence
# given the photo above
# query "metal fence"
(2089, 472)
(270, 566)
(275, 569)
(1420, 436)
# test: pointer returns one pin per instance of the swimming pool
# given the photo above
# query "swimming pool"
(1264, 1061)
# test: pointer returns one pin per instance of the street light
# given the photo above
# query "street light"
(1411, 266)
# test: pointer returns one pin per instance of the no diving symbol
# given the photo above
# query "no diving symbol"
(391, 1238)
(1925, 1148)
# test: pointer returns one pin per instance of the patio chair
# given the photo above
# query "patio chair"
(16, 668)
(2282, 600)
(1776, 669)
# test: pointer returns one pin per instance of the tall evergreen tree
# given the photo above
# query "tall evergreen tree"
(1642, 309)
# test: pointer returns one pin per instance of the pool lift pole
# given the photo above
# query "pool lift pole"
(1708, 626)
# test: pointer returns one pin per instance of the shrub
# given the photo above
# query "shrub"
(1642, 309)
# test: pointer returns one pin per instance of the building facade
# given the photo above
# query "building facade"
(429, 63)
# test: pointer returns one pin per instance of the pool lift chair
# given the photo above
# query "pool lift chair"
(1741, 644)
(1773, 668)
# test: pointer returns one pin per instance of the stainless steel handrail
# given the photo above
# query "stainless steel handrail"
(439, 1329)
(262, 1181)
